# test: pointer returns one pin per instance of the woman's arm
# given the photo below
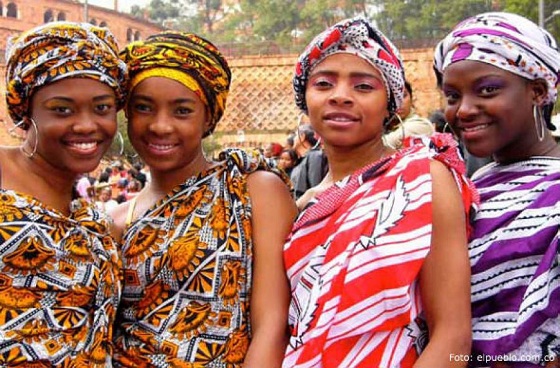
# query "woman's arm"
(274, 212)
(445, 278)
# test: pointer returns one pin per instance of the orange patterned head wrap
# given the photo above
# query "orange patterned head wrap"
(186, 58)
(58, 50)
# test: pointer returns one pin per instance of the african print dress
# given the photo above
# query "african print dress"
(354, 257)
(515, 262)
(188, 270)
(59, 285)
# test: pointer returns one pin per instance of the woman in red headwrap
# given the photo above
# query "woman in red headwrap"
(380, 249)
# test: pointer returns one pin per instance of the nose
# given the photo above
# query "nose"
(467, 108)
(85, 122)
(160, 123)
(340, 95)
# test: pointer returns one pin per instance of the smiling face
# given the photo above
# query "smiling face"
(76, 121)
(346, 101)
(491, 109)
(166, 124)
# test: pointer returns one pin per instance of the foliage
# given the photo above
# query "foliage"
(294, 23)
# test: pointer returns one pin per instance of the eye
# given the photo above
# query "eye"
(451, 96)
(321, 83)
(183, 111)
(104, 108)
(62, 110)
(364, 87)
(489, 90)
(141, 107)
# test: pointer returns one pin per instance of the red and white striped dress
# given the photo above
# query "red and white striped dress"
(353, 261)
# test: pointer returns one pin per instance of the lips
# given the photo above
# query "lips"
(160, 147)
(474, 128)
(83, 147)
(340, 117)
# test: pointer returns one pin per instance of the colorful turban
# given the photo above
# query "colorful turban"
(58, 50)
(506, 41)
(186, 58)
(359, 37)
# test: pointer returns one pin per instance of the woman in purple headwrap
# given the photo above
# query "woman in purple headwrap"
(499, 73)
(59, 266)
(383, 240)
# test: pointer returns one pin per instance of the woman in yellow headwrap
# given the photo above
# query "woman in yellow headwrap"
(202, 243)
(59, 285)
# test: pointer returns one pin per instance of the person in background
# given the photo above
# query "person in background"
(273, 150)
(383, 240)
(312, 166)
(406, 123)
(498, 73)
(59, 266)
(287, 160)
(104, 201)
(202, 244)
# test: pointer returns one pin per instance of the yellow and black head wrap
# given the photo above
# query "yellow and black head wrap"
(58, 50)
(186, 58)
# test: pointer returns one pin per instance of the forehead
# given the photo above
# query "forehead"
(345, 63)
(468, 71)
(165, 88)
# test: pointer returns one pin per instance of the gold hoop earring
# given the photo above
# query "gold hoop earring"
(120, 139)
(539, 122)
(34, 150)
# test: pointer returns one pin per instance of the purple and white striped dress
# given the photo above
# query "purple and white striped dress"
(515, 260)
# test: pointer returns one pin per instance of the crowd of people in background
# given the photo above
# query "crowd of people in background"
(372, 237)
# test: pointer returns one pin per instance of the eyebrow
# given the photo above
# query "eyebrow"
(69, 99)
(178, 100)
(352, 74)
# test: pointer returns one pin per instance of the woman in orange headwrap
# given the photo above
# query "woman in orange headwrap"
(59, 285)
(202, 243)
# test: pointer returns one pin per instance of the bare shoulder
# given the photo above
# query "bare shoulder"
(265, 180)
(441, 175)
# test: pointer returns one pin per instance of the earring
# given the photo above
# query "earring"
(120, 139)
(539, 122)
(22, 147)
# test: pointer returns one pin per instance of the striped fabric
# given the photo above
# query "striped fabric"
(515, 260)
(353, 261)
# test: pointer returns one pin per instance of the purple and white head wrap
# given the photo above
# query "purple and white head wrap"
(359, 37)
(506, 41)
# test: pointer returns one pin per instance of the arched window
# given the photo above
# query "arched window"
(61, 16)
(11, 10)
(137, 36)
(93, 21)
(129, 34)
(48, 16)
(103, 24)
(1, 9)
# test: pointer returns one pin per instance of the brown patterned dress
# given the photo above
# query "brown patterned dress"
(187, 272)
(59, 285)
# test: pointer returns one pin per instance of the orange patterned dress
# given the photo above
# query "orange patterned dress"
(187, 273)
(59, 285)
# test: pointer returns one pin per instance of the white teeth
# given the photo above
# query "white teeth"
(84, 146)
(340, 119)
(161, 147)
(475, 128)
